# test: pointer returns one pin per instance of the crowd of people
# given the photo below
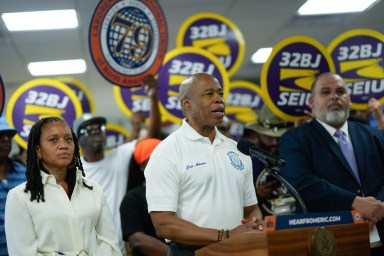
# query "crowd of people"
(151, 195)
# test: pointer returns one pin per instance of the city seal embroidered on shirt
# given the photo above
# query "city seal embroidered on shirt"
(235, 160)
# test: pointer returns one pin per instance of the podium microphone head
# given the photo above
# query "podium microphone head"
(244, 145)
(248, 148)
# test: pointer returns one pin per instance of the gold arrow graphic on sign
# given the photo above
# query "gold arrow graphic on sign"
(216, 46)
(303, 81)
(42, 111)
(369, 68)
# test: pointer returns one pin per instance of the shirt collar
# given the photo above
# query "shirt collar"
(331, 130)
(192, 134)
(47, 178)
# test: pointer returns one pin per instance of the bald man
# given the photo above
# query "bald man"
(199, 186)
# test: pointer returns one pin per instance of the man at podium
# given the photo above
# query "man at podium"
(333, 163)
(199, 185)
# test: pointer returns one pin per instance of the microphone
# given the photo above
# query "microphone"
(272, 164)
(248, 148)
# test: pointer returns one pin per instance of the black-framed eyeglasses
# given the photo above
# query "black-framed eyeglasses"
(8, 134)
(92, 129)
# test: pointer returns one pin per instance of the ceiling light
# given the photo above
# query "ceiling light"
(324, 7)
(60, 67)
(40, 20)
(261, 55)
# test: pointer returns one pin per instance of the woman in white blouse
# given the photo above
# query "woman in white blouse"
(56, 210)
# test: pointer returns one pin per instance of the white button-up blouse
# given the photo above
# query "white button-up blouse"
(59, 226)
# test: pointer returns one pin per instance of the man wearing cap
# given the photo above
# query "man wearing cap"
(12, 173)
(136, 223)
(273, 197)
(110, 169)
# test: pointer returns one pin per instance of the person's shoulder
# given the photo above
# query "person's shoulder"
(20, 190)
(174, 135)
(95, 186)
(230, 141)
(125, 149)
(132, 193)
(301, 128)
(91, 189)
(302, 132)
(18, 166)
(353, 125)
(359, 125)
(18, 196)
(171, 140)
(21, 186)
(124, 146)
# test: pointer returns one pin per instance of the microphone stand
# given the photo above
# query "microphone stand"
(273, 171)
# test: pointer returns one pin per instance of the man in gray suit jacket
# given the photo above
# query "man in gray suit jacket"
(316, 165)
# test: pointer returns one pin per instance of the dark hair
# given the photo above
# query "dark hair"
(34, 179)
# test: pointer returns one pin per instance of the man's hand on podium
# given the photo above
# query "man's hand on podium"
(371, 209)
(247, 226)
(254, 220)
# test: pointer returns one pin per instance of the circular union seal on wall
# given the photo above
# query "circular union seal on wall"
(127, 40)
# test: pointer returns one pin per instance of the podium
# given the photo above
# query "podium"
(349, 239)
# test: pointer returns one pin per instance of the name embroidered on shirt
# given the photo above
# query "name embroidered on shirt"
(187, 167)
(235, 160)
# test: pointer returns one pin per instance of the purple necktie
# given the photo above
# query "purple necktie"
(347, 149)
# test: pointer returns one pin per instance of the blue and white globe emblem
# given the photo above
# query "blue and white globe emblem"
(131, 35)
